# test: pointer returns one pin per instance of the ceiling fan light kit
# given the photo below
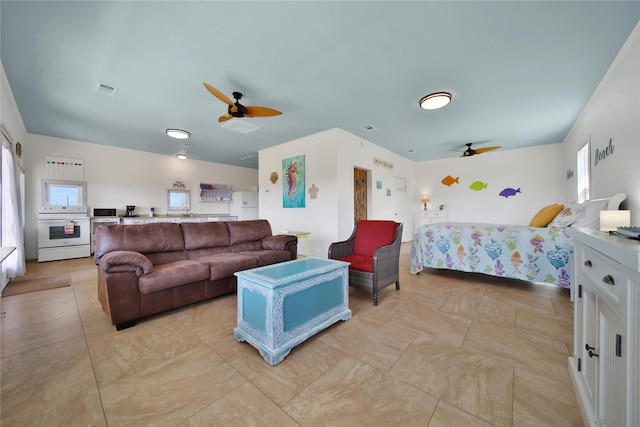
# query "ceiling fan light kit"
(178, 133)
(435, 100)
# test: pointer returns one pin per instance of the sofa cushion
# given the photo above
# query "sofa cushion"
(174, 274)
(224, 265)
(268, 257)
(143, 238)
(248, 231)
(372, 234)
(359, 262)
(199, 235)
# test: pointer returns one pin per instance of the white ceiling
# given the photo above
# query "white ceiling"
(520, 72)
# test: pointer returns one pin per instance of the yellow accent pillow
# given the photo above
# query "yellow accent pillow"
(545, 215)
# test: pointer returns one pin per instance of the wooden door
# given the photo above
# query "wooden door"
(359, 194)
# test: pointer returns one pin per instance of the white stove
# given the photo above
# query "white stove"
(63, 235)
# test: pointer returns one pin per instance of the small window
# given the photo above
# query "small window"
(178, 200)
(583, 172)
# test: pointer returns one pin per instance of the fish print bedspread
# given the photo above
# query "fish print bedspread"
(514, 251)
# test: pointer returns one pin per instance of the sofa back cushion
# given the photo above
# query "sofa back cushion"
(248, 231)
(143, 238)
(371, 234)
(199, 235)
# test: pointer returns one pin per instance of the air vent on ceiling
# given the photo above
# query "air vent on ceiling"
(240, 126)
(105, 89)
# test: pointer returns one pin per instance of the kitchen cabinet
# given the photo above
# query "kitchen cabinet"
(605, 364)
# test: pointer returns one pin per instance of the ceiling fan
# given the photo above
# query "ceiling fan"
(472, 152)
(236, 109)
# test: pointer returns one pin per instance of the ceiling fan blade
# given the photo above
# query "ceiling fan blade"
(225, 118)
(257, 111)
(215, 92)
(485, 149)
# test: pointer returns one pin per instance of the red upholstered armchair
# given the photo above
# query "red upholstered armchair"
(374, 253)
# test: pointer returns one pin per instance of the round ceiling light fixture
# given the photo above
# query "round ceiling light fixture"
(435, 100)
(181, 156)
(178, 133)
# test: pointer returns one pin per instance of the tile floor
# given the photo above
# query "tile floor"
(448, 349)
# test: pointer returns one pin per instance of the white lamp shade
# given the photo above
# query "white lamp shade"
(611, 220)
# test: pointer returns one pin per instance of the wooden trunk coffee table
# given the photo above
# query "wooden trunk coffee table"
(281, 305)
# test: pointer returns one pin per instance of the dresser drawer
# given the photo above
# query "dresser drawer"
(602, 272)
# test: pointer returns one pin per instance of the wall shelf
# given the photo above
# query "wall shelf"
(215, 193)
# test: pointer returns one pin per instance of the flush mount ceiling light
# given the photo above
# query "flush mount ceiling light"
(435, 101)
(178, 133)
(182, 156)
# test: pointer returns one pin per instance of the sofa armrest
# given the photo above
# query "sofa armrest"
(123, 261)
(280, 242)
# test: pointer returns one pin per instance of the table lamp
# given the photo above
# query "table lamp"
(425, 199)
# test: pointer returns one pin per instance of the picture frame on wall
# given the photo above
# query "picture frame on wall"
(293, 172)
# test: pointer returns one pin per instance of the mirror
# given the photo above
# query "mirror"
(179, 200)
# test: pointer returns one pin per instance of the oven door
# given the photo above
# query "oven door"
(53, 233)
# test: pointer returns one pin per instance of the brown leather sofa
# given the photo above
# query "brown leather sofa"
(144, 269)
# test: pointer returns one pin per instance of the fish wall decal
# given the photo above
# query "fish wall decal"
(509, 192)
(478, 185)
(449, 180)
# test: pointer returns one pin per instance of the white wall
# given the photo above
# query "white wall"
(9, 114)
(330, 157)
(536, 171)
(117, 177)
(613, 112)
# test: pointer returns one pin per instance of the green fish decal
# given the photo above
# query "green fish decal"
(478, 185)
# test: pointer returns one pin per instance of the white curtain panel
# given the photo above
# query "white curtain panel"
(12, 227)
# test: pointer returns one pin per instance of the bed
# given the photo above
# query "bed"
(526, 252)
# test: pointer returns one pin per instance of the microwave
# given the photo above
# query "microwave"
(104, 212)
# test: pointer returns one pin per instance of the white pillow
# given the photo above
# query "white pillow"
(567, 216)
(590, 217)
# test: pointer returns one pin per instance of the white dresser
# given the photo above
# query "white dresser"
(605, 365)
(432, 217)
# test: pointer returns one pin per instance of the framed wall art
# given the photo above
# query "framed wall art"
(293, 173)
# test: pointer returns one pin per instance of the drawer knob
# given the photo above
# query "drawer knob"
(590, 350)
(587, 263)
(608, 279)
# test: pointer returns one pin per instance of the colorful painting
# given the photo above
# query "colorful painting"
(293, 183)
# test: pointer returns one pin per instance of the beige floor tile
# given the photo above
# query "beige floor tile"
(449, 416)
(38, 335)
(473, 382)
(558, 328)
(443, 327)
(520, 348)
(169, 392)
(120, 354)
(70, 401)
(484, 311)
(245, 406)
(376, 343)
(41, 314)
(48, 364)
(353, 393)
(533, 392)
(305, 363)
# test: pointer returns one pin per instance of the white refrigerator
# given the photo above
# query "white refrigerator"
(244, 205)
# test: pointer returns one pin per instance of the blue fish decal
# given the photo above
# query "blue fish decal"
(509, 192)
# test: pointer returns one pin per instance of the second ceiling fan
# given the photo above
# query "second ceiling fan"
(235, 109)
(473, 151)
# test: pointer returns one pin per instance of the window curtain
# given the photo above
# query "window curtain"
(12, 227)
